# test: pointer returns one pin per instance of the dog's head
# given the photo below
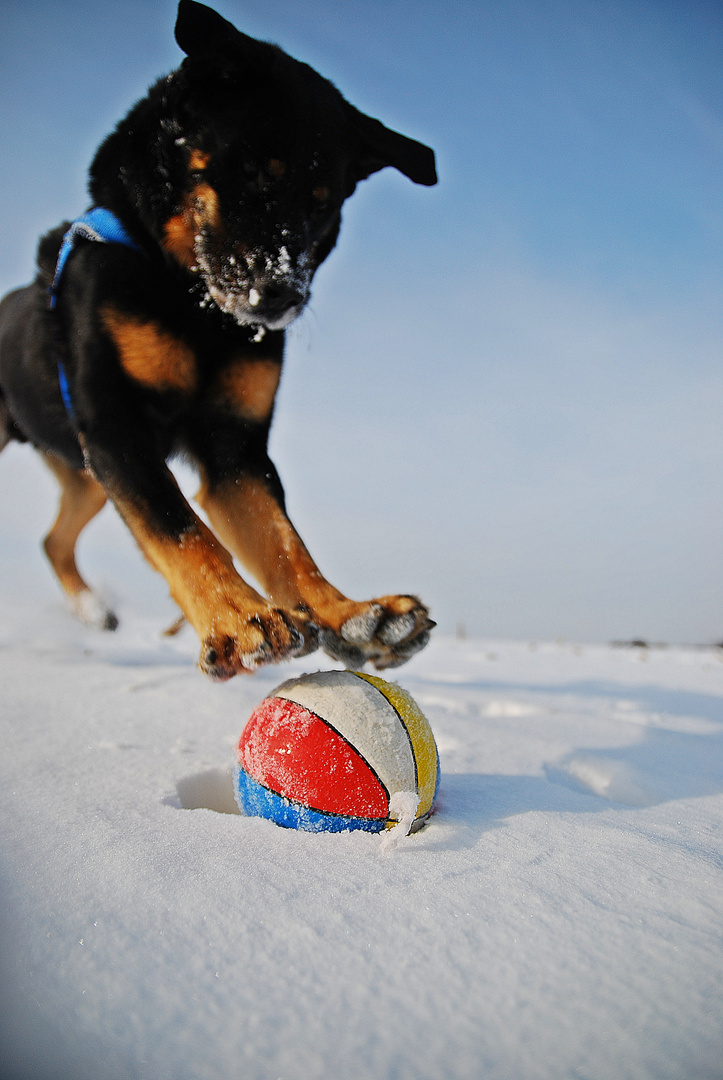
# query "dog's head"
(273, 150)
(258, 153)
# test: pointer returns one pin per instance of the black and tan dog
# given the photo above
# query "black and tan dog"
(156, 328)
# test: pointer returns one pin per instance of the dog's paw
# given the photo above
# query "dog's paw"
(267, 636)
(385, 632)
(87, 607)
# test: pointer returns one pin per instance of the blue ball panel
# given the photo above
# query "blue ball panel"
(255, 800)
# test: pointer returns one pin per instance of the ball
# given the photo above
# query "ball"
(336, 751)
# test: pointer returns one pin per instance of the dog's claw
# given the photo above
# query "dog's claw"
(351, 656)
(410, 648)
(310, 640)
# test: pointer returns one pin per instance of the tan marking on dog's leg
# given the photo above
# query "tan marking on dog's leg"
(251, 523)
(81, 498)
(249, 520)
(238, 628)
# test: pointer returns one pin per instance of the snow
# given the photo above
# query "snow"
(560, 918)
(403, 807)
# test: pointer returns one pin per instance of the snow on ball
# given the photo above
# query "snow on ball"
(338, 750)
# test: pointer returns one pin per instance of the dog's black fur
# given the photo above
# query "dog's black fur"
(229, 176)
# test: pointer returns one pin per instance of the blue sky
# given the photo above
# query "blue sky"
(507, 393)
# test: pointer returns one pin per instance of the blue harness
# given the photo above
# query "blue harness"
(104, 227)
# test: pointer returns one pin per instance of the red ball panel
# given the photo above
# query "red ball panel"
(295, 753)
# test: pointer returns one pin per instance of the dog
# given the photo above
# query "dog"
(155, 328)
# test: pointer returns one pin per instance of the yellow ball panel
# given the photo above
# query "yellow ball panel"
(420, 734)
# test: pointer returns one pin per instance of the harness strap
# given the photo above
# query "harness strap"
(65, 390)
(98, 224)
(103, 227)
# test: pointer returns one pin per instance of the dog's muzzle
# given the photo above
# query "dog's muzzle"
(272, 306)
(258, 290)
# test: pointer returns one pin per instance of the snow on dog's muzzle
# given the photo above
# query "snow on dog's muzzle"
(258, 289)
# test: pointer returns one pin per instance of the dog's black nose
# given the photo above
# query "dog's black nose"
(277, 298)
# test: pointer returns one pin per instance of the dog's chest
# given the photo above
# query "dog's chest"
(150, 354)
(241, 380)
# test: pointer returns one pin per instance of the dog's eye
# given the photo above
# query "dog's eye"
(260, 179)
(276, 168)
(254, 176)
(321, 197)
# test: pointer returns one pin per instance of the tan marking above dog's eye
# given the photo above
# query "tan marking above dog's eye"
(200, 208)
(277, 168)
(321, 194)
(198, 160)
(205, 205)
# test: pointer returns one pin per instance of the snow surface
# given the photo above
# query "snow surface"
(560, 918)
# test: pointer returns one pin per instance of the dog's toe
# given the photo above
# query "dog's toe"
(360, 628)
(396, 629)
(400, 654)
(309, 635)
(351, 656)
(223, 658)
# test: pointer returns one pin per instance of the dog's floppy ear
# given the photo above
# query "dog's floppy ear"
(379, 146)
(202, 33)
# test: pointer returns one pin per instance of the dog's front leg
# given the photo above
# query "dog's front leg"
(238, 629)
(248, 515)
